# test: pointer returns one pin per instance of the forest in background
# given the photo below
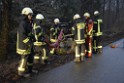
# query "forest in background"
(111, 12)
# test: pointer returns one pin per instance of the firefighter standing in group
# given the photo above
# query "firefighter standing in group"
(97, 45)
(39, 44)
(24, 43)
(79, 26)
(88, 35)
(54, 33)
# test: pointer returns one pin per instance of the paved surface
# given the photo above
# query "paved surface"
(105, 68)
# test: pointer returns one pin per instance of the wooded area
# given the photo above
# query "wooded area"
(111, 12)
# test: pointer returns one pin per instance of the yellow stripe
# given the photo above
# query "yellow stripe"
(39, 43)
(99, 46)
(21, 69)
(82, 54)
(99, 21)
(21, 66)
(80, 41)
(23, 52)
(36, 57)
(98, 34)
(53, 40)
(26, 40)
(44, 55)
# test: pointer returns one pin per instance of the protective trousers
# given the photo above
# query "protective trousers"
(26, 62)
(79, 52)
(97, 44)
(40, 54)
(88, 46)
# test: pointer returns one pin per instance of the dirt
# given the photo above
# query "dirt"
(8, 69)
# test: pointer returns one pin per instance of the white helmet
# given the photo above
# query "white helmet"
(86, 14)
(96, 13)
(39, 17)
(27, 11)
(56, 20)
(76, 16)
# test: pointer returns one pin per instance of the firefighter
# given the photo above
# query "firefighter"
(97, 45)
(39, 44)
(54, 33)
(24, 43)
(88, 35)
(79, 26)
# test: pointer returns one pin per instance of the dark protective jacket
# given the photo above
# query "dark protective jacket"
(97, 31)
(67, 30)
(24, 36)
(79, 26)
(38, 31)
(54, 32)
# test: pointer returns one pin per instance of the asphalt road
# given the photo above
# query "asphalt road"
(107, 67)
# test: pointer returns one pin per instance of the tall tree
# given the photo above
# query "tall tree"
(5, 28)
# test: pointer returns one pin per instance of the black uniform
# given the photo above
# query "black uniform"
(24, 44)
(97, 45)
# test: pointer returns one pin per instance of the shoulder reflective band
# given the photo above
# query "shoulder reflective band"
(26, 40)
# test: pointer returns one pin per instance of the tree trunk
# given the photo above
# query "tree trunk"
(5, 29)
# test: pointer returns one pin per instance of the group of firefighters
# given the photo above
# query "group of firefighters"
(32, 43)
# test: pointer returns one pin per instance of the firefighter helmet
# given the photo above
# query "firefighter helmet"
(86, 14)
(96, 13)
(39, 16)
(26, 11)
(76, 16)
(56, 20)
